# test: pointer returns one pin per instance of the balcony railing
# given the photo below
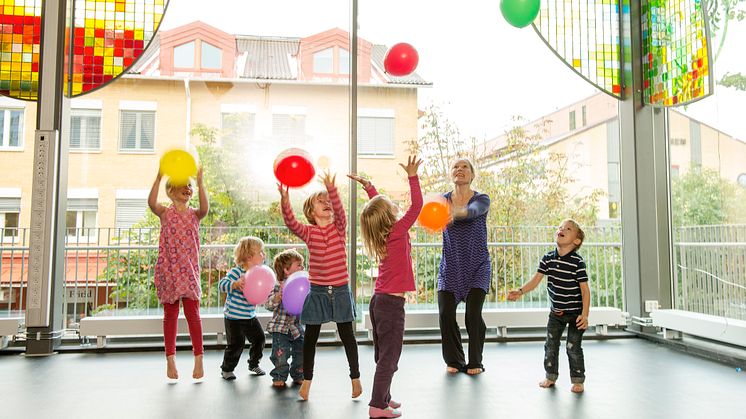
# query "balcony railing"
(110, 271)
(710, 270)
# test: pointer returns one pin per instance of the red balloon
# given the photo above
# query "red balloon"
(293, 167)
(401, 59)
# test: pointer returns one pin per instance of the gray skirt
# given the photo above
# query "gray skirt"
(328, 304)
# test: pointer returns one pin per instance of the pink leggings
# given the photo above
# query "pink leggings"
(170, 325)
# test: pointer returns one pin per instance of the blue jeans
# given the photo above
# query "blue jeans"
(555, 328)
(284, 347)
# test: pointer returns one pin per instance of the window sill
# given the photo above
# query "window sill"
(136, 151)
(17, 149)
(84, 151)
(376, 156)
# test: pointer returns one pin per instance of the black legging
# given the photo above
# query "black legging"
(348, 340)
(453, 351)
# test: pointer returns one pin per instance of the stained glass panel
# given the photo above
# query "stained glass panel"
(676, 55)
(585, 35)
(107, 37)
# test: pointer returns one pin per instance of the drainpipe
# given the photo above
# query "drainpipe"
(188, 113)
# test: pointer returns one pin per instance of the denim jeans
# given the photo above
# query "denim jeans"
(555, 328)
(283, 348)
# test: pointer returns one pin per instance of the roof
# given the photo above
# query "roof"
(275, 58)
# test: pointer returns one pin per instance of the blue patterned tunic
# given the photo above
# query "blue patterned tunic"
(465, 263)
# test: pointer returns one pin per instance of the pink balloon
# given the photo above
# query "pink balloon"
(294, 292)
(259, 282)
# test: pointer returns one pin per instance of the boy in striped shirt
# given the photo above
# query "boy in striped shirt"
(570, 300)
(240, 316)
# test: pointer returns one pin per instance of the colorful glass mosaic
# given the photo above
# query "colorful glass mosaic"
(676, 55)
(107, 37)
(20, 24)
(585, 35)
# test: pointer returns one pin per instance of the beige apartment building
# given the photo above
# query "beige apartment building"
(272, 93)
(587, 133)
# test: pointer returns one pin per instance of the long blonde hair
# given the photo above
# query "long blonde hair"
(376, 221)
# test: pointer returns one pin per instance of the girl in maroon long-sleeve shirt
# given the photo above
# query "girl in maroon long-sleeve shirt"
(387, 240)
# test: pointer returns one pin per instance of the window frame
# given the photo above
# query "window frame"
(377, 114)
(83, 112)
(5, 133)
(138, 134)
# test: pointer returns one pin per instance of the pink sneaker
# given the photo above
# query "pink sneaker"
(394, 405)
(388, 412)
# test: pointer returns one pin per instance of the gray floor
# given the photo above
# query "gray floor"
(627, 378)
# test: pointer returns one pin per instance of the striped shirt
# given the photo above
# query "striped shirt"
(327, 256)
(282, 321)
(236, 306)
(564, 275)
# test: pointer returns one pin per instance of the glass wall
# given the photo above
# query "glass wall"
(545, 143)
(708, 183)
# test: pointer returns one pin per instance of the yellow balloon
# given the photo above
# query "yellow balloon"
(179, 166)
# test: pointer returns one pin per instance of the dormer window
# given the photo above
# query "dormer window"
(323, 61)
(184, 55)
(212, 56)
(344, 61)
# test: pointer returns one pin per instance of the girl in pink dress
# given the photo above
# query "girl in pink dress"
(177, 273)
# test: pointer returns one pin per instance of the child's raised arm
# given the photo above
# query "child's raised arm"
(367, 184)
(204, 204)
(413, 164)
(300, 230)
(340, 219)
(528, 286)
(153, 203)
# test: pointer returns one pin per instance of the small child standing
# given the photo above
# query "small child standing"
(329, 299)
(177, 272)
(240, 316)
(570, 300)
(387, 241)
(287, 333)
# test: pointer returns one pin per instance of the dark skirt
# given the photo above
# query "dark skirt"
(328, 304)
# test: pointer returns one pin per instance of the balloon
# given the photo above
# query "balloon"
(179, 166)
(293, 167)
(435, 215)
(520, 13)
(259, 282)
(295, 291)
(401, 59)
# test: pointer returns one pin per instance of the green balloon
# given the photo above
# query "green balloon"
(520, 13)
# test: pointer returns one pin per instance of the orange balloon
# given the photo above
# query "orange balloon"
(435, 215)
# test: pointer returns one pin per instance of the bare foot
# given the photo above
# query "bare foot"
(474, 371)
(546, 383)
(199, 370)
(577, 388)
(305, 388)
(357, 388)
(451, 370)
(171, 371)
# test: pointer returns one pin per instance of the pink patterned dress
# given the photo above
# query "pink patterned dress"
(177, 269)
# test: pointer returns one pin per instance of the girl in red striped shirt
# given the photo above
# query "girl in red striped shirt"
(330, 299)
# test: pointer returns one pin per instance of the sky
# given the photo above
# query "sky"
(484, 71)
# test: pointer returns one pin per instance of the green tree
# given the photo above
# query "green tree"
(701, 197)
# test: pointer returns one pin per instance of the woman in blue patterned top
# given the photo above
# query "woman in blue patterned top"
(465, 271)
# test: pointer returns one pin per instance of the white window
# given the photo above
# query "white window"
(85, 129)
(289, 128)
(375, 134)
(184, 55)
(81, 219)
(11, 123)
(344, 61)
(323, 61)
(136, 130)
(212, 56)
(238, 126)
(9, 214)
(130, 211)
